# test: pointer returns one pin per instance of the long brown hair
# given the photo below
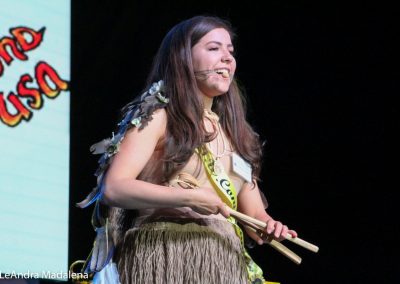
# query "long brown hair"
(185, 132)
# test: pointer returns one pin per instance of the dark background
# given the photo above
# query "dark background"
(313, 96)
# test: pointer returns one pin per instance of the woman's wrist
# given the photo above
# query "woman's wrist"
(188, 197)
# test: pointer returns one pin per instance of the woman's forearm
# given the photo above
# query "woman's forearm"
(137, 194)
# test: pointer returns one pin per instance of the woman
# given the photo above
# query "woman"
(187, 130)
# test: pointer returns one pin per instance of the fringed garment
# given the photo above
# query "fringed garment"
(181, 250)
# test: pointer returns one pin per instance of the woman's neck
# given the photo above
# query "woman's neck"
(207, 101)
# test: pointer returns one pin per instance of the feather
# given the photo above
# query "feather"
(102, 251)
(100, 147)
(89, 199)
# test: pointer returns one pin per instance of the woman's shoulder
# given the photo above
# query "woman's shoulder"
(160, 114)
(159, 120)
(155, 125)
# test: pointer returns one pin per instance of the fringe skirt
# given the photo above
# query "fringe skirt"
(174, 253)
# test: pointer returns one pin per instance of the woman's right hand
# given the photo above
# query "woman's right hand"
(206, 201)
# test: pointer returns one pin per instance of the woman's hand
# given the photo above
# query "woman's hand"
(274, 230)
(206, 201)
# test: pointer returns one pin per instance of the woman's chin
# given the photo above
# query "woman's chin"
(216, 91)
(220, 90)
(218, 94)
(223, 91)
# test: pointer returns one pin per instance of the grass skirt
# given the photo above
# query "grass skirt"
(188, 252)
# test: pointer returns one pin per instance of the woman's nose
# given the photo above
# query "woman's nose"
(227, 58)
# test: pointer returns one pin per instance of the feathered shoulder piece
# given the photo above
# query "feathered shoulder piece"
(139, 113)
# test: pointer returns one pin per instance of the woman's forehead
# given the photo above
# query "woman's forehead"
(218, 35)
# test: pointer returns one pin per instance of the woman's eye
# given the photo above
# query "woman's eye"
(213, 48)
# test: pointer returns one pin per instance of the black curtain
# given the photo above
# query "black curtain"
(313, 97)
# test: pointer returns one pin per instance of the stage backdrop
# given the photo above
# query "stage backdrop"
(34, 136)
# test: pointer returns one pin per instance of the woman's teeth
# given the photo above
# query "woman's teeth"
(223, 72)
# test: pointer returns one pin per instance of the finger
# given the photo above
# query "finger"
(285, 230)
(254, 235)
(293, 233)
(258, 237)
(224, 210)
(278, 229)
(284, 233)
(270, 226)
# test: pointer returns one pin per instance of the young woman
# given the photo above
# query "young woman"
(182, 154)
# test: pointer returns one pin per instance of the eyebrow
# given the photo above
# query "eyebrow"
(219, 43)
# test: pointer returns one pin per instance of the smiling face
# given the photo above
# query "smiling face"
(213, 53)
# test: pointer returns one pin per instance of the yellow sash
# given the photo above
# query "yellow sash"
(227, 192)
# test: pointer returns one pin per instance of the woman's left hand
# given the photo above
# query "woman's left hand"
(274, 230)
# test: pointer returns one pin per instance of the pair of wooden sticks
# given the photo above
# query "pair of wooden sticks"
(188, 181)
(257, 226)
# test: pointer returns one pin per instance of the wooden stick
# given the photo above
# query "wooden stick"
(261, 226)
(284, 250)
(281, 248)
(302, 243)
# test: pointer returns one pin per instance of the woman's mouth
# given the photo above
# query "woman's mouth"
(220, 72)
(223, 72)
